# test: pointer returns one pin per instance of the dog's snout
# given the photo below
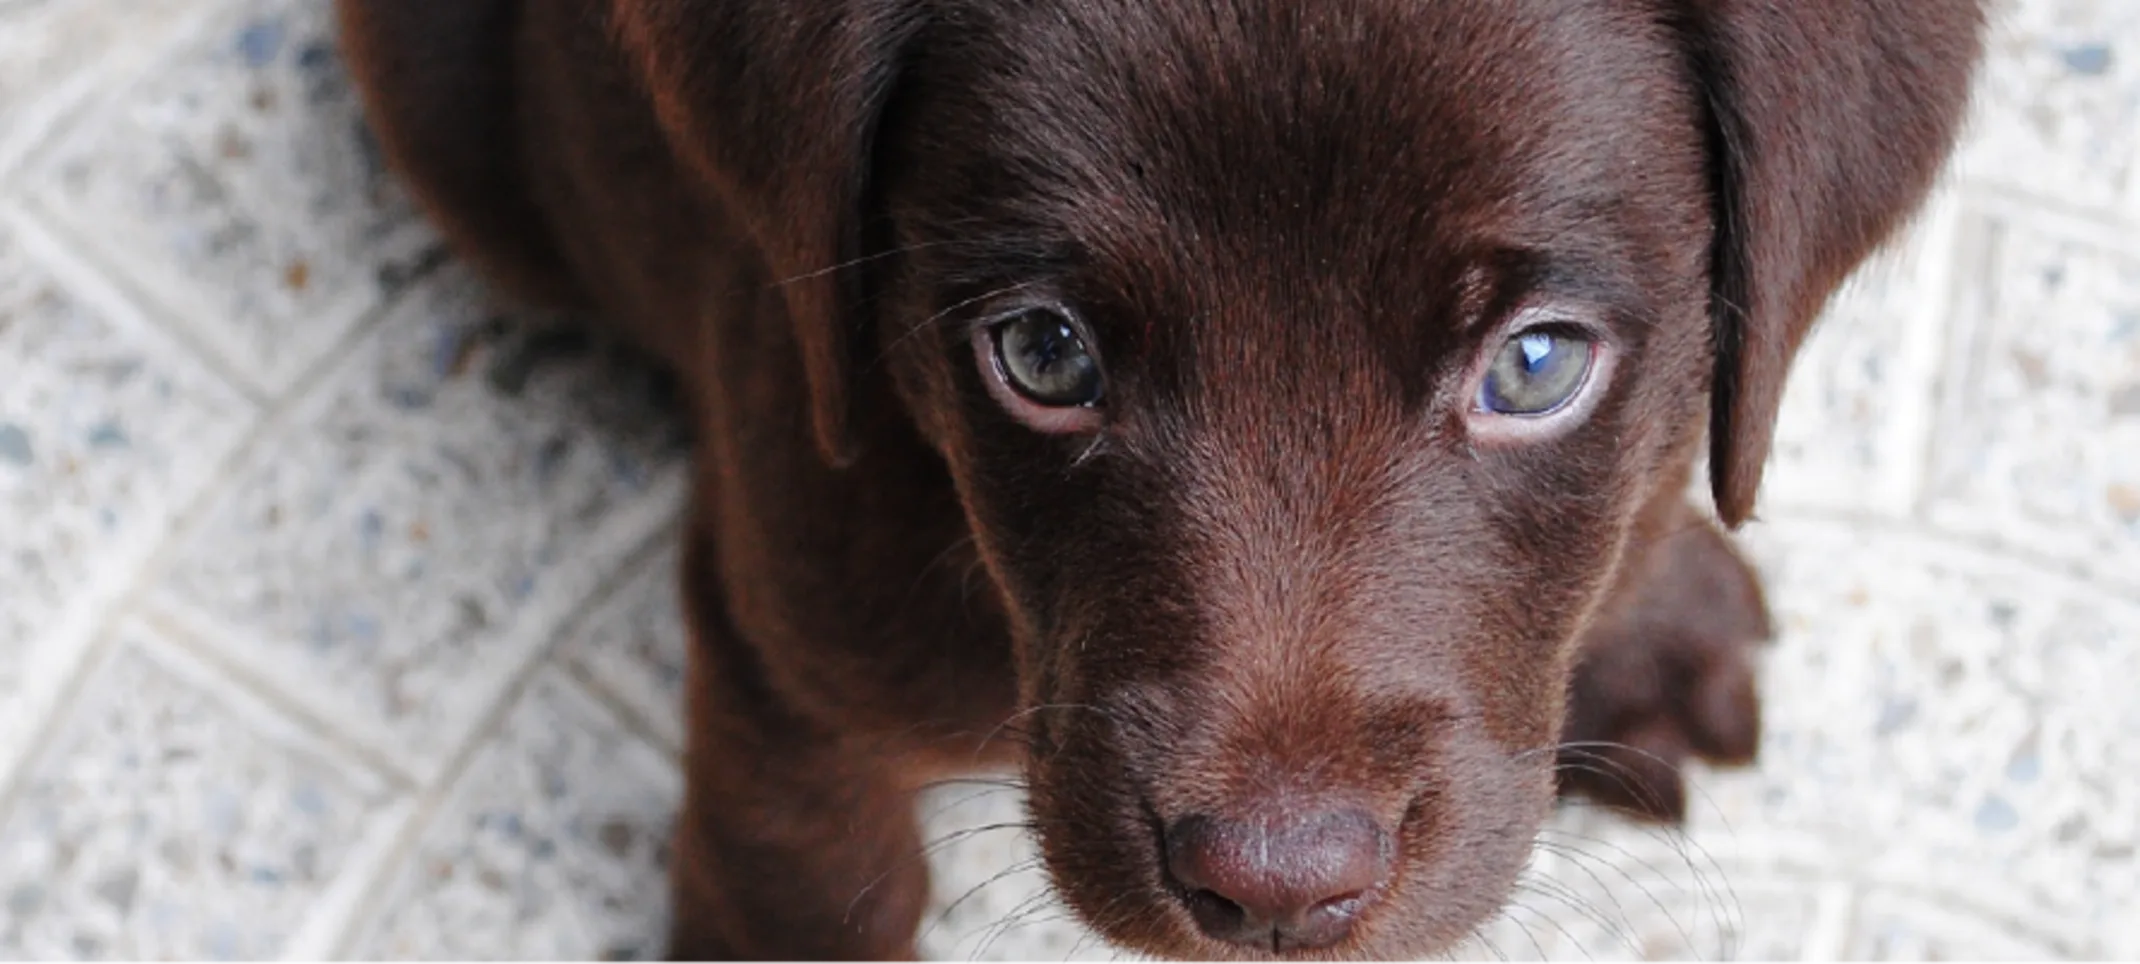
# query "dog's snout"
(1294, 880)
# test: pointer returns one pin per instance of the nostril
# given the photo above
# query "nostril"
(1344, 905)
(1215, 914)
(1295, 879)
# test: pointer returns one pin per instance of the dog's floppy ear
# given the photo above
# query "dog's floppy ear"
(1829, 120)
(775, 103)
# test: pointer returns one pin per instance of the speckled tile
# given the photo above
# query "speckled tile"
(106, 431)
(1610, 911)
(2058, 104)
(1970, 698)
(418, 531)
(551, 846)
(236, 186)
(170, 819)
(1939, 722)
(632, 646)
(2038, 442)
(1851, 434)
(53, 52)
(1897, 927)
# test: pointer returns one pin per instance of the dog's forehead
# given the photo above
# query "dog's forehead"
(1311, 106)
(1393, 141)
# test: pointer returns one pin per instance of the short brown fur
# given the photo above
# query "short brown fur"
(1285, 571)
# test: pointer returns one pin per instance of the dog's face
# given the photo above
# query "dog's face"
(1301, 368)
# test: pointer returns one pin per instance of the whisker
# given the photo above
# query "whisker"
(867, 258)
(1525, 930)
(1535, 888)
(1721, 907)
(1716, 902)
(1726, 909)
(1574, 856)
(1681, 927)
(922, 853)
(1698, 789)
(941, 809)
(1012, 919)
(924, 324)
(1017, 867)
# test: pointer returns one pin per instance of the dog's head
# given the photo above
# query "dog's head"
(1301, 368)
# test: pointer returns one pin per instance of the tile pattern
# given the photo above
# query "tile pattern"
(233, 184)
(355, 557)
(102, 440)
(339, 607)
(169, 818)
(554, 838)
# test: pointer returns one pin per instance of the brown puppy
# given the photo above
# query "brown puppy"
(1253, 418)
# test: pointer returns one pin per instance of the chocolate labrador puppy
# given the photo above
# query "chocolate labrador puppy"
(1266, 423)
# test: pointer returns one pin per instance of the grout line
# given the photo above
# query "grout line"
(94, 610)
(633, 717)
(1927, 331)
(1954, 346)
(160, 292)
(79, 263)
(633, 526)
(40, 734)
(2001, 916)
(481, 736)
(178, 313)
(263, 418)
(258, 716)
(47, 121)
(1834, 919)
(2110, 232)
(185, 633)
(271, 417)
(1860, 521)
(372, 860)
(103, 80)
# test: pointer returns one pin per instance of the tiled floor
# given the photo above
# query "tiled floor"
(335, 615)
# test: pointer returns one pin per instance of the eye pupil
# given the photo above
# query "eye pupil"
(1536, 372)
(1043, 358)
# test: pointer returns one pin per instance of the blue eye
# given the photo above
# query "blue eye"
(1536, 372)
(1044, 359)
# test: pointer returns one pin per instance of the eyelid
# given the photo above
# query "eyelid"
(1534, 313)
(1550, 315)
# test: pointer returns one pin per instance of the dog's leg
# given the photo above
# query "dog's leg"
(794, 842)
(1666, 670)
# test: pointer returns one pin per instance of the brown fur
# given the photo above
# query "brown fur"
(1287, 570)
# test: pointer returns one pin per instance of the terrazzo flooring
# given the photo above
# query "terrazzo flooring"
(335, 615)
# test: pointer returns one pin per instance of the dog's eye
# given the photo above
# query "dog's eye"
(1044, 359)
(1536, 372)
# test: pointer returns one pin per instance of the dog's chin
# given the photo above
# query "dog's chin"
(1459, 852)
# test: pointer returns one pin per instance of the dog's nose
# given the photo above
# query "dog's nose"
(1293, 880)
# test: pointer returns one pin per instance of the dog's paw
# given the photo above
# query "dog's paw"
(1666, 673)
